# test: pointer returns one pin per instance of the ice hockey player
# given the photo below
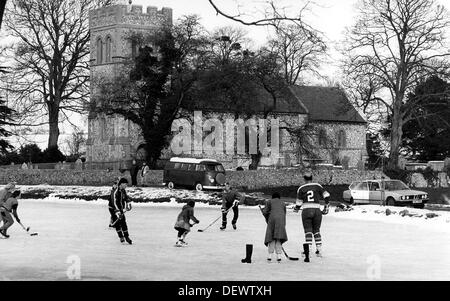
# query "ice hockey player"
(6, 209)
(230, 200)
(6, 192)
(111, 205)
(309, 196)
(120, 204)
(183, 225)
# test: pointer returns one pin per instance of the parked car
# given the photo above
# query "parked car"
(198, 173)
(391, 192)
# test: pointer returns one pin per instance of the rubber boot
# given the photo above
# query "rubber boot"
(248, 254)
(306, 252)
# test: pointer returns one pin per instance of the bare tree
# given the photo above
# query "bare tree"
(298, 50)
(76, 142)
(2, 10)
(227, 42)
(268, 14)
(51, 72)
(396, 42)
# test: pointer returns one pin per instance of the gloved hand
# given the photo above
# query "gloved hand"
(296, 209)
(224, 210)
(326, 209)
(198, 222)
(129, 207)
(235, 203)
(119, 215)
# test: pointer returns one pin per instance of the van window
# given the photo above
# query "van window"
(214, 167)
(177, 165)
(184, 166)
(191, 167)
(200, 167)
(170, 165)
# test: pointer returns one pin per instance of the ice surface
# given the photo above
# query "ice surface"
(357, 245)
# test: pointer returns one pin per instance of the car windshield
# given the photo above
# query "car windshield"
(395, 185)
(214, 167)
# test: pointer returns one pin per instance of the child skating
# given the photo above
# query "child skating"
(183, 225)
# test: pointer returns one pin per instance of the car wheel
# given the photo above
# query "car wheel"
(170, 185)
(198, 187)
(352, 201)
(391, 202)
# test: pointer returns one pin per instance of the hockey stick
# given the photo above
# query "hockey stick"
(203, 230)
(284, 251)
(115, 222)
(27, 229)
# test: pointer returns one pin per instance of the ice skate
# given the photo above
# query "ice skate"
(122, 240)
(223, 228)
(319, 251)
(234, 226)
(128, 240)
(3, 232)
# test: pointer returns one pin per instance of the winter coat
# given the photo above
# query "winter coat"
(186, 214)
(4, 195)
(275, 213)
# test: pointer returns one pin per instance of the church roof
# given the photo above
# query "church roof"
(286, 102)
(327, 104)
(320, 103)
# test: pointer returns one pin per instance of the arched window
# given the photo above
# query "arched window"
(108, 49)
(134, 49)
(322, 137)
(99, 51)
(341, 139)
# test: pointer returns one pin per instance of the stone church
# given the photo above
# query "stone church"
(340, 131)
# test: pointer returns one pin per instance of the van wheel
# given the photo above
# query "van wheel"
(198, 187)
(170, 185)
(391, 202)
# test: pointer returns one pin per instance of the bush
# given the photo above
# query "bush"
(399, 174)
(430, 175)
(51, 155)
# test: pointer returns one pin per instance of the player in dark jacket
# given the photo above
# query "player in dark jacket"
(8, 209)
(230, 200)
(111, 204)
(120, 203)
(309, 196)
(183, 225)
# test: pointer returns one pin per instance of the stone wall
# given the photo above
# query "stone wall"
(251, 179)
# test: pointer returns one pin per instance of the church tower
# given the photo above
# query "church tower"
(111, 138)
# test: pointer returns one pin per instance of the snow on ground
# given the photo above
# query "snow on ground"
(357, 245)
(143, 193)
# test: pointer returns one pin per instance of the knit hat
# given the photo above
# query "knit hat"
(191, 203)
(122, 180)
(307, 176)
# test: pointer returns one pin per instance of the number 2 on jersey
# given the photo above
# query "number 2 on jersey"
(310, 195)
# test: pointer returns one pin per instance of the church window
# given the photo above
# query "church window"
(341, 139)
(322, 137)
(108, 49)
(99, 51)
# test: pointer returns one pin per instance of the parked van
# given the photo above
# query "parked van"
(198, 173)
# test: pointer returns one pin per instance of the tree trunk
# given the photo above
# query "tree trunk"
(396, 136)
(53, 126)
